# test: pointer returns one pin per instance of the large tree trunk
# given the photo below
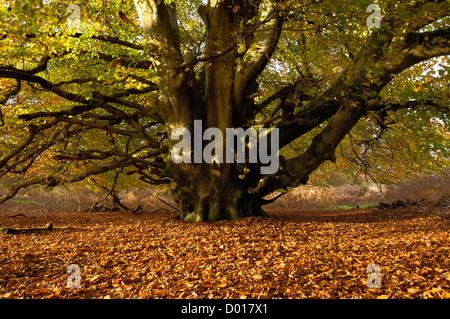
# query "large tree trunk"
(210, 192)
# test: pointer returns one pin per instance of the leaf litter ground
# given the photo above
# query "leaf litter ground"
(291, 254)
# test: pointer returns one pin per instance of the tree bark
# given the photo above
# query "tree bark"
(204, 193)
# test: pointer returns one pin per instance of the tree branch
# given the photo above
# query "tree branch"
(54, 180)
(372, 65)
(296, 171)
(258, 55)
(104, 38)
(42, 66)
(46, 85)
(385, 107)
(32, 132)
(415, 48)
(125, 61)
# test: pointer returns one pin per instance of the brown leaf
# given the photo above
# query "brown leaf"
(123, 17)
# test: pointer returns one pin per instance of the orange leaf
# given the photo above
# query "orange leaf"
(160, 292)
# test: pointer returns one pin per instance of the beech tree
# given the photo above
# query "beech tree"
(104, 91)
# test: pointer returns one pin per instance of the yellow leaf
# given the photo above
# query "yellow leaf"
(412, 290)
(257, 277)
(241, 48)
(445, 295)
(383, 297)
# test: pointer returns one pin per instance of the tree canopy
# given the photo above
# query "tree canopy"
(103, 92)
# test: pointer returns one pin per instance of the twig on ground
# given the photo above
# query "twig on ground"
(162, 200)
(17, 215)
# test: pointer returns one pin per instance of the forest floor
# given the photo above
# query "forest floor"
(290, 254)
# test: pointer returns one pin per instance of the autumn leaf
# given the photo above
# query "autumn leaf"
(123, 17)
(296, 254)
